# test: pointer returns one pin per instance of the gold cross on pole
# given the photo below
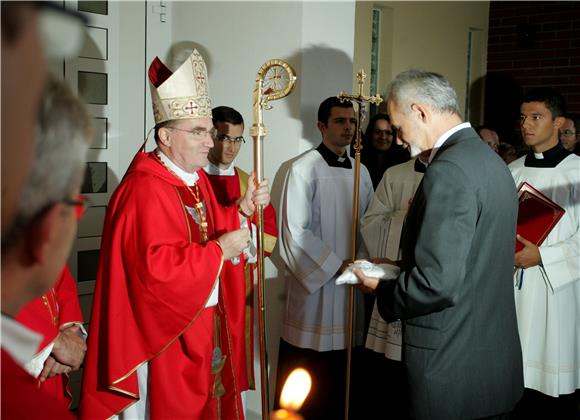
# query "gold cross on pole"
(360, 99)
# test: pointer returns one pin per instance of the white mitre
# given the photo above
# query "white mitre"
(181, 94)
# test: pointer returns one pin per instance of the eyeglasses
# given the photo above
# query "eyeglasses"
(567, 132)
(198, 133)
(80, 204)
(224, 138)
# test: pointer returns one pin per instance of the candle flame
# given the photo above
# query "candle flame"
(295, 389)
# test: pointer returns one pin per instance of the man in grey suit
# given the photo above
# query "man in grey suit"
(455, 292)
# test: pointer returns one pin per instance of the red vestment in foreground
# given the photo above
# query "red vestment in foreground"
(228, 189)
(155, 278)
(46, 315)
(21, 398)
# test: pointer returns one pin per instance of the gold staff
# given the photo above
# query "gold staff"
(360, 99)
(274, 80)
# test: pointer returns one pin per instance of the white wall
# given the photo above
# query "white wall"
(430, 35)
(236, 38)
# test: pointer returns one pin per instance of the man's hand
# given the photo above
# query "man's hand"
(255, 196)
(69, 348)
(53, 368)
(233, 243)
(368, 284)
(529, 256)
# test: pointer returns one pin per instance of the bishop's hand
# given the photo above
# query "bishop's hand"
(233, 243)
(254, 196)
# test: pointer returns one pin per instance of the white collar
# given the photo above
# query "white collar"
(539, 155)
(189, 178)
(445, 136)
(212, 169)
(19, 342)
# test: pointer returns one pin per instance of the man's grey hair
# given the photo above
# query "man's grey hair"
(419, 86)
(62, 139)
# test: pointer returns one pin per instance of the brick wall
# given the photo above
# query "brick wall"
(530, 44)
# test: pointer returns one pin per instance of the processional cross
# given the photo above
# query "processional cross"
(361, 100)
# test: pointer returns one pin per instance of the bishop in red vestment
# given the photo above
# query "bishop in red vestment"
(161, 330)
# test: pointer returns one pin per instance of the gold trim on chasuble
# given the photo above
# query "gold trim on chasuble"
(122, 378)
(54, 315)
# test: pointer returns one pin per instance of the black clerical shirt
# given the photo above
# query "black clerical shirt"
(332, 159)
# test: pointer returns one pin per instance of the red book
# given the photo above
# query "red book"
(537, 215)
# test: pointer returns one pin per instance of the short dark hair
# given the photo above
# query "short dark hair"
(227, 115)
(327, 105)
(480, 128)
(551, 98)
(158, 127)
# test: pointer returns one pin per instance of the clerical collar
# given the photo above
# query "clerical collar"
(188, 178)
(19, 342)
(548, 159)
(212, 169)
(445, 136)
(332, 159)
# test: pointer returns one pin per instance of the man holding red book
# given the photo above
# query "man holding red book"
(547, 277)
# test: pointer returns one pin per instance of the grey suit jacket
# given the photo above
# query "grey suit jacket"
(455, 291)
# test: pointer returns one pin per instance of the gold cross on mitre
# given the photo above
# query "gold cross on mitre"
(360, 99)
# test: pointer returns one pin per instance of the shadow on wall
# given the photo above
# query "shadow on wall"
(321, 71)
(502, 106)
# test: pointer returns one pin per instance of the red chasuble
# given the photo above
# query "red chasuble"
(46, 315)
(228, 189)
(21, 398)
(155, 277)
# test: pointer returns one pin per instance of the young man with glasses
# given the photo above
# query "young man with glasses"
(163, 342)
(229, 183)
(33, 254)
(547, 279)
